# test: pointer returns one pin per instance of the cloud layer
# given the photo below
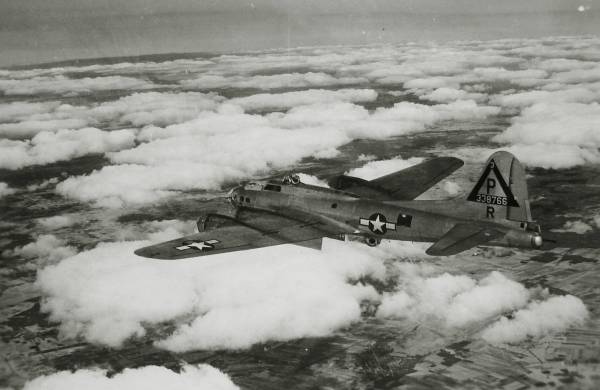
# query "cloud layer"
(233, 301)
(229, 301)
(149, 377)
(233, 117)
(451, 303)
(47, 147)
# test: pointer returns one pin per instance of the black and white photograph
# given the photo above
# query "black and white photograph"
(309, 194)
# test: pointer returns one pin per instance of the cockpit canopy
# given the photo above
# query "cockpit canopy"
(291, 179)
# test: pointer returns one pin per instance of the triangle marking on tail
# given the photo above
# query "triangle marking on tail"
(486, 190)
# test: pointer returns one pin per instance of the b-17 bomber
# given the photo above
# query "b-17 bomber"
(264, 213)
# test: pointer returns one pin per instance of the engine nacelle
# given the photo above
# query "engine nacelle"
(524, 239)
(372, 241)
(222, 215)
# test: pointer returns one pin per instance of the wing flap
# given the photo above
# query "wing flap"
(462, 237)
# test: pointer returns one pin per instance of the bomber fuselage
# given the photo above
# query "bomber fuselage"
(425, 221)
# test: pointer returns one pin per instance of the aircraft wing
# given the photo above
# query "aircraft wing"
(249, 230)
(461, 237)
(406, 184)
(411, 182)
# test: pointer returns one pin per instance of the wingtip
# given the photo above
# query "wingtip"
(456, 161)
(146, 252)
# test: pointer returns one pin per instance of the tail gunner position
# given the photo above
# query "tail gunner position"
(266, 213)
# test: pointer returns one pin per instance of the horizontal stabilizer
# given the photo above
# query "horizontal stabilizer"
(406, 184)
(462, 237)
(411, 182)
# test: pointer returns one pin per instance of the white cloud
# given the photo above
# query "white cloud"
(555, 135)
(47, 248)
(191, 377)
(578, 76)
(375, 169)
(205, 129)
(449, 303)
(453, 300)
(578, 227)
(528, 98)
(29, 128)
(276, 81)
(156, 108)
(524, 77)
(563, 64)
(446, 95)
(159, 231)
(312, 180)
(10, 112)
(138, 109)
(48, 147)
(225, 301)
(42, 184)
(62, 85)
(596, 220)
(284, 100)
(58, 221)
(6, 190)
(206, 152)
(538, 319)
(451, 188)
(366, 157)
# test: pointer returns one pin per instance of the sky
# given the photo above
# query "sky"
(36, 31)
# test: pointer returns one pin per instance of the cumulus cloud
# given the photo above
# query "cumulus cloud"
(57, 221)
(451, 188)
(190, 377)
(48, 147)
(524, 77)
(555, 135)
(552, 94)
(6, 190)
(138, 109)
(206, 152)
(471, 81)
(155, 108)
(62, 85)
(10, 112)
(276, 81)
(225, 301)
(453, 300)
(446, 95)
(265, 101)
(29, 128)
(312, 180)
(47, 248)
(42, 184)
(538, 319)
(375, 169)
(578, 227)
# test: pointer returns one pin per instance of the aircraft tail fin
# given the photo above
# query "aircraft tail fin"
(501, 191)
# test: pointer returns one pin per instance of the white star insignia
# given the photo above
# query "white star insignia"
(200, 245)
(377, 224)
